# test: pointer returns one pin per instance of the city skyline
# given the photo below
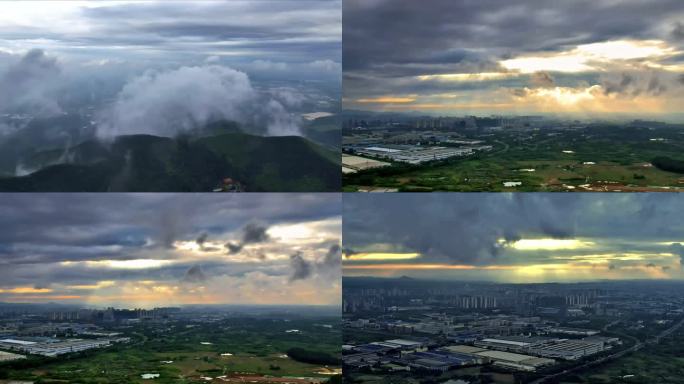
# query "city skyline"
(514, 238)
(583, 59)
(153, 250)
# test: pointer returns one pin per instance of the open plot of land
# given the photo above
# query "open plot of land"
(662, 363)
(357, 163)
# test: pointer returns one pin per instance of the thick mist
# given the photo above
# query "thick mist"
(166, 103)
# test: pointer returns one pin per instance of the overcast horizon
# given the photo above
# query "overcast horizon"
(514, 237)
(151, 250)
(616, 60)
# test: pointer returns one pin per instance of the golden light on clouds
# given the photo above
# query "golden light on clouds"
(604, 258)
(626, 50)
(387, 100)
(560, 63)
(539, 270)
(461, 77)
(434, 266)
(121, 264)
(590, 57)
(382, 256)
(547, 244)
(256, 289)
(98, 285)
(565, 96)
(464, 106)
(589, 94)
(569, 271)
(590, 99)
(291, 231)
(27, 290)
(44, 298)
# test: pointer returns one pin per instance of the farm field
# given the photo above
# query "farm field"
(234, 350)
(596, 159)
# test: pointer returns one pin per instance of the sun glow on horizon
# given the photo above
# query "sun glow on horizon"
(121, 264)
(382, 256)
(547, 244)
(589, 57)
(482, 76)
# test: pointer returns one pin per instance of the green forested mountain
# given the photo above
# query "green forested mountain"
(187, 163)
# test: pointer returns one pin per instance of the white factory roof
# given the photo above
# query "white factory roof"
(464, 349)
(509, 342)
(507, 356)
(19, 342)
(406, 343)
(383, 149)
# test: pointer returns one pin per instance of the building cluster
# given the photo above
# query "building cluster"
(514, 353)
(418, 328)
(110, 314)
(521, 300)
(453, 123)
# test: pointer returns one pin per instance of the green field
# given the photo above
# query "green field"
(602, 159)
(258, 347)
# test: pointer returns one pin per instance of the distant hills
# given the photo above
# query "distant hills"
(190, 163)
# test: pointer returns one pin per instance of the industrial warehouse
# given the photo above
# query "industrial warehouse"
(416, 154)
(55, 347)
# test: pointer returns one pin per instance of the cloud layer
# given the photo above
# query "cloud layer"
(168, 249)
(162, 67)
(496, 56)
(176, 101)
(515, 236)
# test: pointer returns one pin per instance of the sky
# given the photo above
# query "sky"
(150, 250)
(581, 58)
(514, 237)
(193, 60)
(241, 33)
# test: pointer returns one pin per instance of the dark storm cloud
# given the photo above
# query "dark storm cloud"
(202, 239)
(678, 31)
(468, 228)
(40, 232)
(542, 79)
(252, 233)
(195, 275)
(255, 233)
(635, 84)
(202, 242)
(333, 257)
(301, 268)
(678, 249)
(425, 32)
